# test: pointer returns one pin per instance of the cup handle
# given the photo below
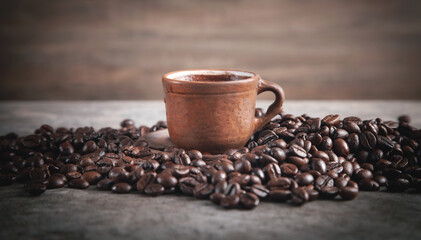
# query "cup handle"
(274, 108)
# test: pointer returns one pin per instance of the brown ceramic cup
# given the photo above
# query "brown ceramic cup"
(212, 110)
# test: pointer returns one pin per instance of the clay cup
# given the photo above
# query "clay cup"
(213, 110)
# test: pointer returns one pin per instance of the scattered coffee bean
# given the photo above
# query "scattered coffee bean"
(292, 159)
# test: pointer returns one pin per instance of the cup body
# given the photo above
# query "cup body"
(210, 110)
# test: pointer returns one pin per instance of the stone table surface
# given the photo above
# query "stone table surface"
(91, 214)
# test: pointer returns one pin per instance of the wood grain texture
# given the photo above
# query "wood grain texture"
(92, 50)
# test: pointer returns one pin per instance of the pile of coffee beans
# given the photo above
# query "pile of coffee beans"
(292, 159)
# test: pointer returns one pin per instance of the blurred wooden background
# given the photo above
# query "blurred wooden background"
(120, 49)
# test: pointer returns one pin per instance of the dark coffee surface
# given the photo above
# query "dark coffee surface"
(291, 168)
(212, 78)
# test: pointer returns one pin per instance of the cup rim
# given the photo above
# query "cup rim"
(251, 76)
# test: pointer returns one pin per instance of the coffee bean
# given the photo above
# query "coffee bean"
(154, 189)
(105, 184)
(367, 184)
(331, 120)
(216, 197)
(299, 196)
(249, 200)
(219, 176)
(368, 140)
(288, 169)
(297, 161)
(341, 147)
(56, 181)
(230, 201)
(66, 148)
(233, 188)
(36, 187)
(399, 185)
(298, 151)
(242, 166)
(145, 180)
(280, 182)
(319, 165)
(203, 190)
(73, 175)
(312, 194)
(328, 192)
(79, 183)
(166, 180)
(364, 174)
(326, 143)
(121, 187)
(324, 181)
(348, 193)
(187, 185)
(89, 146)
(304, 179)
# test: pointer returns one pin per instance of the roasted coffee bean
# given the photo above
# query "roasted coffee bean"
(381, 180)
(216, 197)
(230, 201)
(340, 133)
(219, 176)
(331, 120)
(288, 169)
(232, 188)
(73, 175)
(36, 187)
(364, 174)
(341, 147)
(324, 181)
(187, 185)
(166, 180)
(242, 166)
(154, 189)
(278, 154)
(105, 184)
(57, 180)
(318, 165)
(348, 193)
(145, 180)
(272, 170)
(294, 153)
(79, 183)
(121, 187)
(66, 148)
(399, 185)
(281, 195)
(195, 154)
(301, 163)
(312, 194)
(304, 179)
(298, 151)
(368, 140)
(367, 184)
(203, 190)
(119, 174)
(280, 182)
(352, 127)
(89, 146)
(299, 196)
(353, 141)
(326, 143)
(260, 190)
(341, 182)
(249, 200)
(328, 192)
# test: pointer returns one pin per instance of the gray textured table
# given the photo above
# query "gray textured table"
(91, 214)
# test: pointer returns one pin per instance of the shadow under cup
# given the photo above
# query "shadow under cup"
(213, 110)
